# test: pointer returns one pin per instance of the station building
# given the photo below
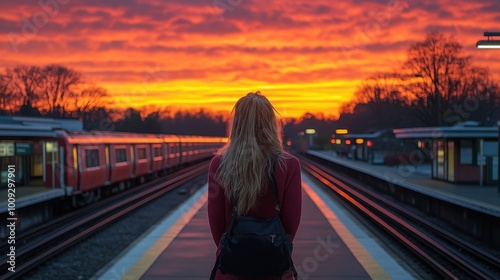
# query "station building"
(464, 153)
(371, 147)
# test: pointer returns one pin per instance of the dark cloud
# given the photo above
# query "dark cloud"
(112, 45)
(322, 9)
(78, 45)
(491, 6)
(443, 14)
(7, 26)
(212, 27)
(446, 29)
(268, 18)
(181, 21)
(83, 14)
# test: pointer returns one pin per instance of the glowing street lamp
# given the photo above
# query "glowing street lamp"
(489, 44)
(310, 132)
(341, 131)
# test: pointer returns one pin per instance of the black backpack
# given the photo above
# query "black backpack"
(255, 246)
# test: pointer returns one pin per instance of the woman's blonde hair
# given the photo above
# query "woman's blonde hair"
(254, 142)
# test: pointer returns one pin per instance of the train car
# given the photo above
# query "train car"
(172, 145)
(195, 148)
(91, 162)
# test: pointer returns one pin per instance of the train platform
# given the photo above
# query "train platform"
(329, 245)
(29, 195)
(484, 199)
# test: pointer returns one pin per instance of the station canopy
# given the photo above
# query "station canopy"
(13, 126)
(462, 130)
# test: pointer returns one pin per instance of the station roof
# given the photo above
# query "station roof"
(14, 126)
(462, 130)
(372, 135)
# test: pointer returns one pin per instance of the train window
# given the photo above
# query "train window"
(141, 153)
(92, 157)
(121, 155)
(157, 152)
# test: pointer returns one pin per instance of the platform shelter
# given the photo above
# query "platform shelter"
(463, 153)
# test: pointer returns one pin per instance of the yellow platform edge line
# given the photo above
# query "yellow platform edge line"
(366, 260)
(150, 256)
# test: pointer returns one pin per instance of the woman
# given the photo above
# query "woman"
(242, 169)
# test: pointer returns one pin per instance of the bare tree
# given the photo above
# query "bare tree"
(58, 88)
(87, 100)
(7, 100)
(448, 79)
(23, 82)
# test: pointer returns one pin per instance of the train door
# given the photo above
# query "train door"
(439, 160)
(35, 162)
(167, 156)
(51, 162)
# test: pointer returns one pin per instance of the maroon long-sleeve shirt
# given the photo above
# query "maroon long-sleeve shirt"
(288, 181)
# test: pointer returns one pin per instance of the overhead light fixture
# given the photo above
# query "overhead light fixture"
(489, 44)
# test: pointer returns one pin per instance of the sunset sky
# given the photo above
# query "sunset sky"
(306, 56)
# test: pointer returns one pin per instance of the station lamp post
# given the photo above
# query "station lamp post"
(310, 132)
(490, 43)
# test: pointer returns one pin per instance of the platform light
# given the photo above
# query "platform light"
(421, 144)
(310, 131)
(338, 141)
(51, 147)
(489, 44)
(341, 131)
(360, 141)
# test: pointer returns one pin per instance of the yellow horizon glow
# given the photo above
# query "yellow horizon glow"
(290, 100)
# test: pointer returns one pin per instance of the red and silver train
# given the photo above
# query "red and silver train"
(89, 162)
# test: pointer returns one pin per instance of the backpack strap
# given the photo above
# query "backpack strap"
(214, 270)
(275, 191)
(274, 186)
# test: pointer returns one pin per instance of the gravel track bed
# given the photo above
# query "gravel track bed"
(88, 257)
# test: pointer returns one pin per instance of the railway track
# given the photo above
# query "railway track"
(49, 240)
(449, 256)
